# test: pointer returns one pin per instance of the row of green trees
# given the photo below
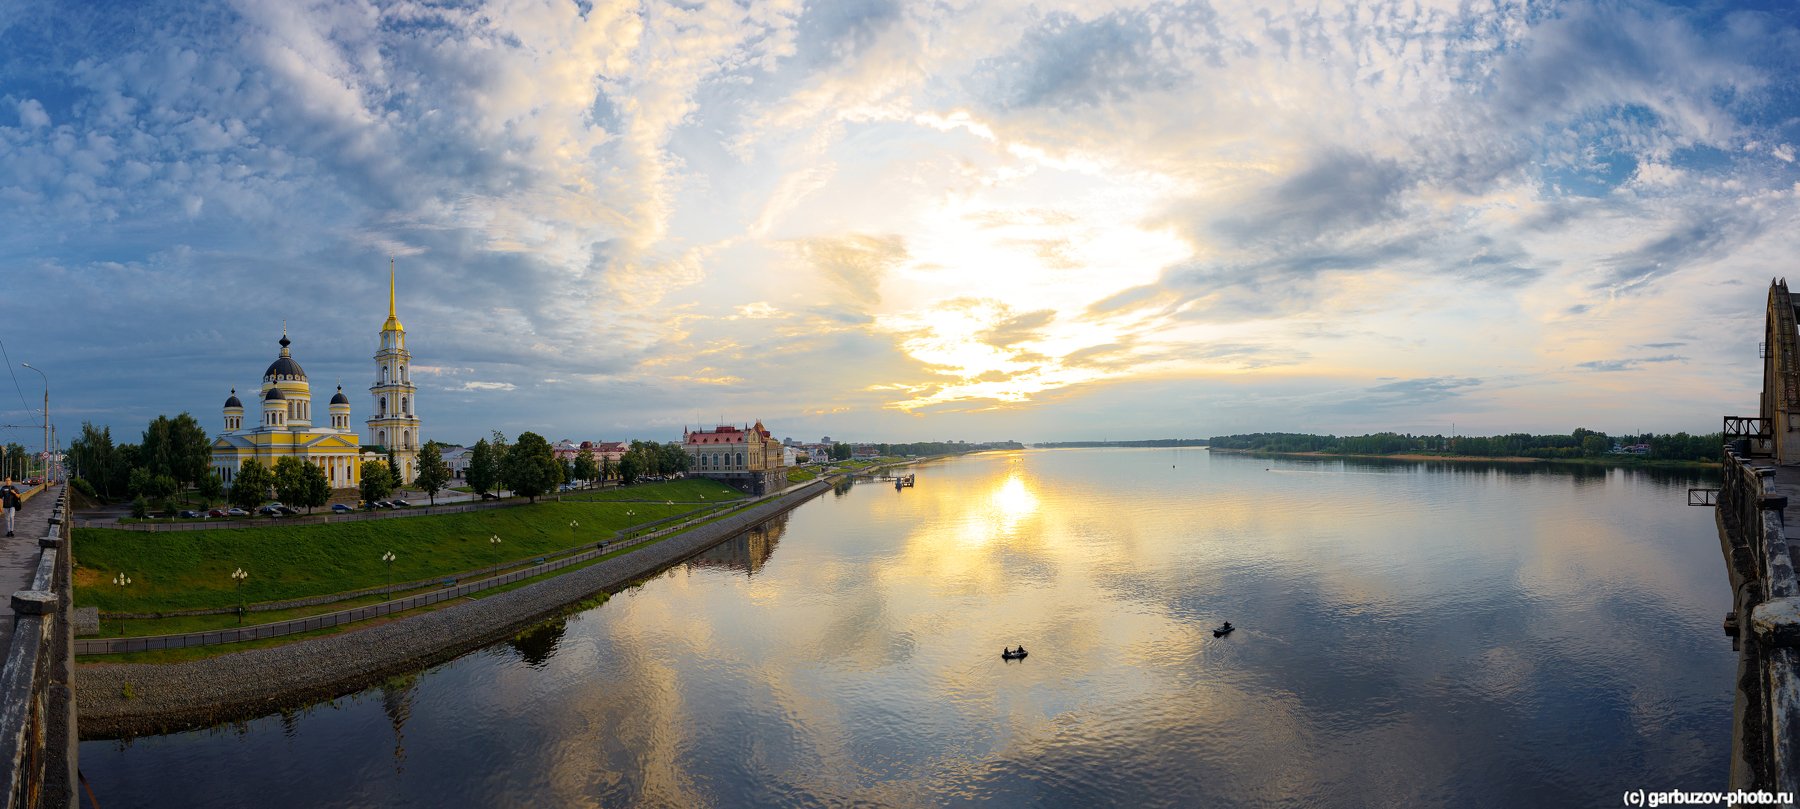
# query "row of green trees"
(1581, 443)
(174, 454)
(529, 466)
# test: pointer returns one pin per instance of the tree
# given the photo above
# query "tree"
(672, 457)
(316, 490)
(125, 459)
(434, 474)
(176, 447)
(586, 468)
(290, 480)
(530, 467)
(251, 485)
(376, 481)
(608, 470)
(163, 489)
(840, 452)
(93, 455)
(394, 470)
(484, 468)
(211, 488)
(631, 465)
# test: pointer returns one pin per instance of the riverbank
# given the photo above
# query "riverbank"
(124, 700)
(1624, 462)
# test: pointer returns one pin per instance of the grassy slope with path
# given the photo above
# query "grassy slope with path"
(181, 570)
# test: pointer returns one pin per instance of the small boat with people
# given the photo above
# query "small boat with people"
(1013, 654)
(1223, 630)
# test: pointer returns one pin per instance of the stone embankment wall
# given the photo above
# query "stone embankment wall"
(174, 696)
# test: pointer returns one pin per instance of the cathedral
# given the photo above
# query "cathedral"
(285, 426)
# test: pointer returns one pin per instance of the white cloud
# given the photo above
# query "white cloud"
(32, 115)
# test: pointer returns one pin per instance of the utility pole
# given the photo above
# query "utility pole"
(46, 418)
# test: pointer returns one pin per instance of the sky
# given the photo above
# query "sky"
(897, 221)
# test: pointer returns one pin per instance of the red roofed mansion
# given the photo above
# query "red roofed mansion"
(746, 458)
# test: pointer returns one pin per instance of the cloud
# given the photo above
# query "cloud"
(1632, 364)
(960, 207)
(32, 115)
(855, 265)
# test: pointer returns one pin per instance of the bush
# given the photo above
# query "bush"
(140, 508)
(86, 488)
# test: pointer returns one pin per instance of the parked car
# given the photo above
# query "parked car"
(270, 511)
(341, 508)
(383, 504)
(218, 512)
(400, 504)
(189, 514)
(288, 510)
(489, 496)
(234, 511)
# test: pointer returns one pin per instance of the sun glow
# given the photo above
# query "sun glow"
(1013, 502)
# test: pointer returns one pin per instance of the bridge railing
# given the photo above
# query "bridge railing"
(37, 708)
(1753, 506)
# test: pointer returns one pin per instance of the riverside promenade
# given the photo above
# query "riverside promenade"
(169, 697)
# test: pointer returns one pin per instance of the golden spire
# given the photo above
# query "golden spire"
(393, 321)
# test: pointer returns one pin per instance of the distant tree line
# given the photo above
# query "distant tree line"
(1581, 443)
(1151, 442)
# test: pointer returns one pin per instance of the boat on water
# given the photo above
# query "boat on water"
(1224, 630)
(1014, 654)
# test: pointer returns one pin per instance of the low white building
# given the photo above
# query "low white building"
(457, 458)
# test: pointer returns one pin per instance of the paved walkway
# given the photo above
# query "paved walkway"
(19, 554)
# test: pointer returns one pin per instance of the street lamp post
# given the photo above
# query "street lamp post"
(239, 575)
(46, 419)
(495, 541)
(389, 559)
(574, 526)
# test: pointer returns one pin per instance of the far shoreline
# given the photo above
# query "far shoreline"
(1629, 462)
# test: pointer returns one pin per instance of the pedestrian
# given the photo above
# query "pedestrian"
(9, 497)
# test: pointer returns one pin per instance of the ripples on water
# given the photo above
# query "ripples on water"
(1411, 634)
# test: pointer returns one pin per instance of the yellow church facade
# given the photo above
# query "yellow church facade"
(282, 423)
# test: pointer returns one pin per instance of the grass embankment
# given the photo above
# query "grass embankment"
(162, 626)
(802, 474)
(192, 569)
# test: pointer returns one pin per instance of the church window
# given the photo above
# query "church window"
(381, 438)
(384, 374)
(384, 405)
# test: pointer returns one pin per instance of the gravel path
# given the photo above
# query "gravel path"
(177, 696)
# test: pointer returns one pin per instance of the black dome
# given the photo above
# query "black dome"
(284, 369)
(274, 393)
(340, 398)
(233, 401)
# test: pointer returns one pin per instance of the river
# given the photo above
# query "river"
(1409, 634)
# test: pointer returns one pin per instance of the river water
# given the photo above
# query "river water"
(1409, 634)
